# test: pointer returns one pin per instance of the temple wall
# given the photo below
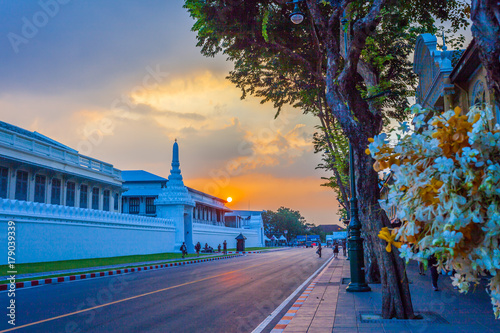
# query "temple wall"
(51, 233)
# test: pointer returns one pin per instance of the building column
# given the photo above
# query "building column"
(48, 183)
(11, 191)
(142, 205)
(77, 194)
(101, 197)
(31, 186)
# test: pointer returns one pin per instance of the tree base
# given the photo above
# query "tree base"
(358, 287)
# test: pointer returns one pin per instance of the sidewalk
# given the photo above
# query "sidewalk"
(326, 306)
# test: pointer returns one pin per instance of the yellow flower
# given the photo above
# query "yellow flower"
(386, 235)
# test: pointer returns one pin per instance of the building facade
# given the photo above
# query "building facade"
(448, 79)
(35, 168)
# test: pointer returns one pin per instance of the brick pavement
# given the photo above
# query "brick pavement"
(325, 306)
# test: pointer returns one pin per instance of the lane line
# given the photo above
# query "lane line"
(133, 297)
(273, 315)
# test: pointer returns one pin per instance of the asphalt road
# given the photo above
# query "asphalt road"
(233, 295)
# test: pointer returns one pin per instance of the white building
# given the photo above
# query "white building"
(36, 168)
(69, 206)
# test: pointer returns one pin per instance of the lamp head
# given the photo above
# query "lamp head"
(297, 16)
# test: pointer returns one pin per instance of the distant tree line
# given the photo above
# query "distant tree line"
(275, 223)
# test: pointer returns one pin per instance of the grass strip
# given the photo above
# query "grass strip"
(43, 267)
(107, 270)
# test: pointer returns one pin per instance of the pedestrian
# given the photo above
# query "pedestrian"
(421, 269)
(344, 248)
(218, 248)
(319, 250)
(336, 251)
(184, 249)
(197, 248)
(225, 246)
(434, 272)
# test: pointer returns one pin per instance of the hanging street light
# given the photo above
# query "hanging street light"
(296, 16)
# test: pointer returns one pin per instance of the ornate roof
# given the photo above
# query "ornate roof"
(175, 193)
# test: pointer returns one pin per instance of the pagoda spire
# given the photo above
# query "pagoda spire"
(175, 191)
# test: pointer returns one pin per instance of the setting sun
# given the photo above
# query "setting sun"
(229, 199)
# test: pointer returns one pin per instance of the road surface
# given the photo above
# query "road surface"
(233, 295)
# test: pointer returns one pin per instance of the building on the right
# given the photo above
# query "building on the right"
(448, 79)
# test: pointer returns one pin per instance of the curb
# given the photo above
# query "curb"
(76, 277)
(290, 314)
(244, 252)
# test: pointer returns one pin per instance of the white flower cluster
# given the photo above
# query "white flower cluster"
(446, 191)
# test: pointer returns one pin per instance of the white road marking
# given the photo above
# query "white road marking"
(270, 318)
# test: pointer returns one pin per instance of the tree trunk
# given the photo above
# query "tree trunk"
(396, 298)
(486, 31)
(372, 271)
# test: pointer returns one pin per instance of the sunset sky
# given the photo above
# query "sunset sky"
(120, 80)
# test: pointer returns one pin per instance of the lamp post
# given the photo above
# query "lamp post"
(356, 252)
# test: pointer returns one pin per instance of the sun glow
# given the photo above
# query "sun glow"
(229, 199)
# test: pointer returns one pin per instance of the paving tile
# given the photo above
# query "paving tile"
(322, 321)
(319, 330)
(296, 329)
(352, 329)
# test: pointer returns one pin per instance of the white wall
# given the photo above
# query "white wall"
(215, 235)
(51, 233)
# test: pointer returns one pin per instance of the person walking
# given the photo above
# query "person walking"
(421, 270)
(319, 250)
(225, 246)
(434, 272)
(344, 248)
(184, 249)
(198, 248)
(336, 251)
(218, 248)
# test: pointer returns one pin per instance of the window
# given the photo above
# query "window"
(478, 93)
(84, 196)
(40, 188)
(105, 200)
(70, 194)
(4, 177)
(22, 185)
(115, 204)
(150, 205)
(55, 197)
(95, 198)
(133, 206)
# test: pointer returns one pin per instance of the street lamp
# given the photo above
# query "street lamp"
(296, 16)
(356, 252)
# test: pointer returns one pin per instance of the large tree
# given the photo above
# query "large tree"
(306, 66)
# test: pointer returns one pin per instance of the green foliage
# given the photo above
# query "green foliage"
(334, 149)
(275, 223)
(264, 26)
